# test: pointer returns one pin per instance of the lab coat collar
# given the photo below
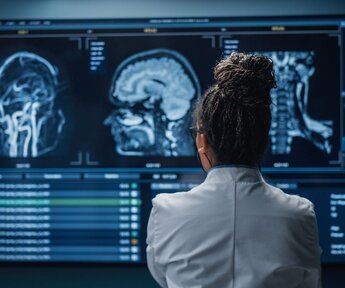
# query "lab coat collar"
(237, 173)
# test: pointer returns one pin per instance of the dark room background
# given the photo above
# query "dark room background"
(121, 276)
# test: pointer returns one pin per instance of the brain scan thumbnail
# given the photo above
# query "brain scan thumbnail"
(290, 99)
(29, 124)
(152, 93)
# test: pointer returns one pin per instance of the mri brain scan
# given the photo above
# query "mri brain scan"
(290, 117)
(29, 124)
(152, 93)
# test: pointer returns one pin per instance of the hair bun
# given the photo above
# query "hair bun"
(245, 78)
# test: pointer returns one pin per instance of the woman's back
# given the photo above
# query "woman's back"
(234, 230)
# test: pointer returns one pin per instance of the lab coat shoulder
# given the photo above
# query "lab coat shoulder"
(172, 217)
(299, 215)
(293, 205)
(179, 202)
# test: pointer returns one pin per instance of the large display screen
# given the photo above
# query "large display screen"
(94, 119)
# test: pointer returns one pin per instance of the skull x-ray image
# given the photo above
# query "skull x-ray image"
(290, 117)
(152, 93)
(29, 124)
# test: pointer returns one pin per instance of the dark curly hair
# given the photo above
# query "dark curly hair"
(234, 114)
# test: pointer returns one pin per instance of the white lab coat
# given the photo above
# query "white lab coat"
(234, 230)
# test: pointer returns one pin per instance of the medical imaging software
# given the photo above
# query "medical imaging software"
(95, 117)
(29, 125)
(152, 93)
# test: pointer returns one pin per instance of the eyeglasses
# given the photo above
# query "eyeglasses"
(194, 131)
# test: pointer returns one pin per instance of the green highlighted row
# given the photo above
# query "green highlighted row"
(71, 202)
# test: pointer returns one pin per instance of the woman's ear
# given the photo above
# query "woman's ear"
(204, 151)
(201, 143)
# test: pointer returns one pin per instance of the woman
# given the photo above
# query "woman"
(234, 229)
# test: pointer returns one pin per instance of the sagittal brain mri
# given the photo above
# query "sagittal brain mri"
(290, 116)
(152, 94)
(29, 124)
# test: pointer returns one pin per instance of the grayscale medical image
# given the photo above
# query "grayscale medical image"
(30, 126)
(152, 93)
(290, 116)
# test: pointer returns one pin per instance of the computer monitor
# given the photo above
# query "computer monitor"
(94, 118)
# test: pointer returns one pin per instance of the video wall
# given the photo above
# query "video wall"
(94, 119)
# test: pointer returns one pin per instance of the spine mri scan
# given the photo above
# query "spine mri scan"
(152, 92)
(290, 116)
(29, 125)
